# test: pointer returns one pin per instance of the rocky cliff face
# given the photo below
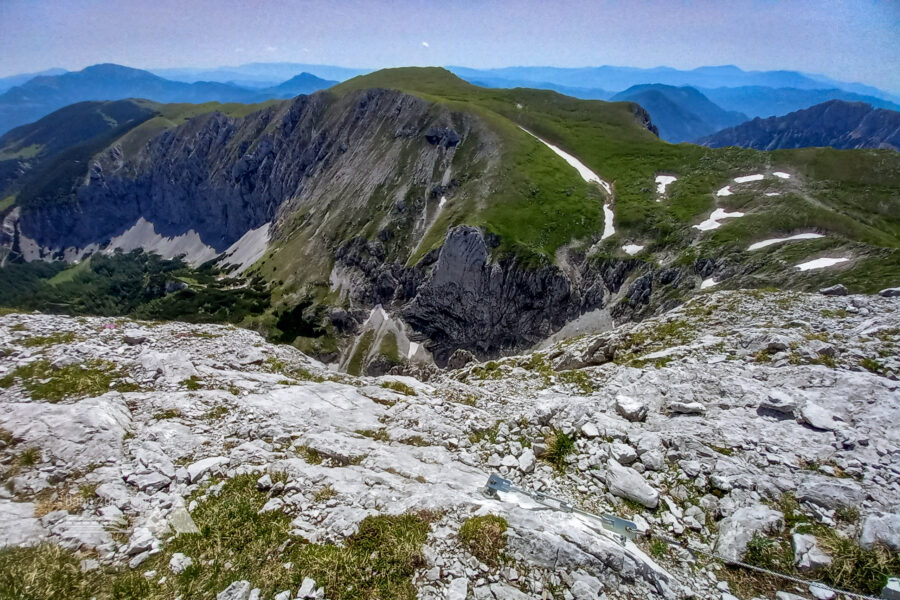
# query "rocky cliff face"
(840, 124)
(734, 418)
(221, 176)
(459, 297)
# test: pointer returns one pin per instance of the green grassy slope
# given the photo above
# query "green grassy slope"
(851, 196)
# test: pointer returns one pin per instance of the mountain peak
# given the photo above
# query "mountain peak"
(115, 70)
(836, 123)
(420, 79)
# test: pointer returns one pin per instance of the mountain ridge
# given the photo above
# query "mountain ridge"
(41, 95)
(408, 188)
(681, 113)
(836, 123)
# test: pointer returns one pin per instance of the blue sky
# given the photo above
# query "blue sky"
(848, 40)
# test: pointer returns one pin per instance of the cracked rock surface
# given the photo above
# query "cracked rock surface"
(696, 425)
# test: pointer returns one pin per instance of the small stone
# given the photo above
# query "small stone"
(686, 408)
(834, 290)
(691, 468)
(736, 531)
(141, 540)
(202, 467)
(819, 418)
(630, 408)
(526, 461)
(272, 504)
(433, 574)
(881, 529)
(622, 453)
(628, 483)
(892, 590)
(829, 492)
(89, 564)
(653, 460)
(807, 554)
(787, 596)
(890, 293)
(264, 483)
(779, 402)
(179, 562)
(589, 430)
(820, 592)
(133, 337)
(458, 589)
(586, 587)
(307, 588)
(238, 590)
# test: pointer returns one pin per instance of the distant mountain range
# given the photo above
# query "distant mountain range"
(684, 104)
(680, 113)
(14, 80)
(44, 94)
(754, 93)
(621, 78)
(758, 101)
(839, 124)
(258, 74)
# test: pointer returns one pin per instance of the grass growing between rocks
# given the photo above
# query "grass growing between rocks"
(235, 542)
(400, 387)
(853, 568)
(43, 382)
(559, 446)
(310, 455)
(485, 538)
(42, 341)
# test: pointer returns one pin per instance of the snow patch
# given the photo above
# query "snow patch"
(717, 215)
(661, 182)
(589, 176)
(143, 235)
(773, 193)
(725, 191)
(608, 227)
(442, 202)
(748, 178)
(782, 175)
(799, 236)
(708, 283)
(632, 249)
(821, 263)
(249, 249)
(582, 169)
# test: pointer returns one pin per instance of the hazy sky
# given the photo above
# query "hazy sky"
(849, 40)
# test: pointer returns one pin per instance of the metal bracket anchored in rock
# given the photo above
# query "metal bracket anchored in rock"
(623, 529)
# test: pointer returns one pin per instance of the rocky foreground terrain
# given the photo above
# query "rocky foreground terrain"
(173, 460)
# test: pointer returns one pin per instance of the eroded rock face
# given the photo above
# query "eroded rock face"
(221, 176)
(473, 303)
